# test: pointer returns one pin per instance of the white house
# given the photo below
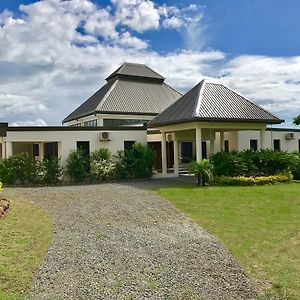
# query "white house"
(136, 105)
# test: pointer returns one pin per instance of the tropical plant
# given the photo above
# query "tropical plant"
(77, 165)
(202, 170)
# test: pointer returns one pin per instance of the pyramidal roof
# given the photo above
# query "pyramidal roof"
(135, 70)
(131, 89)
(209, 101)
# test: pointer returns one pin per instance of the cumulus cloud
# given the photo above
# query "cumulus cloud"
(56, 53)
(37, 122)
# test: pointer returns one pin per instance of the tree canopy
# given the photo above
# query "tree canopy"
(297, 120)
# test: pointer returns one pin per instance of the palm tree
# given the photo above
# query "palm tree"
(297, 120)
(202, 170)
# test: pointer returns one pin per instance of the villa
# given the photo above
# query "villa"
(136, 105)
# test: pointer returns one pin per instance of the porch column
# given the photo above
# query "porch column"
(8, 151)
(163, 153)
(221, 140)
(176, 156)
(2, 150)
(263, 138)
(41, 151)
(198, 144)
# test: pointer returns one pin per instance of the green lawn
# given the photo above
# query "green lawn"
(25, 235)
(260, 226)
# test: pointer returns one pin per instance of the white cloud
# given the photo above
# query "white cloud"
(48, 66)
(173, 22)
(129, 41)
(37, 122)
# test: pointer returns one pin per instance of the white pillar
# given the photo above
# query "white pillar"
(163, 153)
(9, 151)
(221, 140)
(2, 150)
(41, 151)
(263, 138)
(176, 157)
(198, 144)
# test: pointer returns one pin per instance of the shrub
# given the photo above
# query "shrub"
(103, 169)
(50, 170)
(77, 165)
(228, 164)
(102, 153)
(20, 168)
(136, 162)
(248, 181)
(295, 168)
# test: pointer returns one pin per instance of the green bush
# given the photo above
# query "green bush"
(247, 163)
(202, 170)
(103, 169)
(20, 168)
(295, 168)
(248, 181)
(102, 153)
(228, 164)
(136, 162)
(50, 170)
(77, 165)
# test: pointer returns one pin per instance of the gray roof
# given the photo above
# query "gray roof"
(213, 102)
(128, 94)
(135, 70)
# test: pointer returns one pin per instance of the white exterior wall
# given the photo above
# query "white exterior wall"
(67, 139)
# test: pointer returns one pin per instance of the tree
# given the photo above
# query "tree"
(202, 171)
(297, 120)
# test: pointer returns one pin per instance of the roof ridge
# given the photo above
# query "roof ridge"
(203, 82)
(102, 101)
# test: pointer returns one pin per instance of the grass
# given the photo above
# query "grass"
(25, 235)
(260, 226)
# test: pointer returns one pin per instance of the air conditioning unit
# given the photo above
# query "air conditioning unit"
(290, 136)
(104, 136)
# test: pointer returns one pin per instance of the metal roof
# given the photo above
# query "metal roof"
(135, 70)
(129, 94)
(213, 102)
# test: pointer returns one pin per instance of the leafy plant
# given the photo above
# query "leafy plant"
(77, 165)
(136, 162)
(50, 170)
(103, 169)
(102, 153)
(202, 171)
(296, 120)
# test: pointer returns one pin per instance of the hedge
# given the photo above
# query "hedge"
(248, 181)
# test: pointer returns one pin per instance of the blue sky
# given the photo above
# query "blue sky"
(55, 55)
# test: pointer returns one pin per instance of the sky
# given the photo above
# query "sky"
(54, 54)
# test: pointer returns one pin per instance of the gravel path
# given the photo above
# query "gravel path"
(120, 241)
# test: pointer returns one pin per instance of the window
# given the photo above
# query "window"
(123, 122)
(253, 145)
(226, 146)
(85, 146)
(51, 150)
(90, 123)
(128, 145)
(76, 125)
(276, 144)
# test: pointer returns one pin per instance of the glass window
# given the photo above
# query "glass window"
(128, 145)
(76, 125)
(123, 122)
(51, 150)
(226, 146)
(90, 123)
(253, 145)
(276, 144)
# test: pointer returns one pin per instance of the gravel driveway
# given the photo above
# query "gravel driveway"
(121, 241)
